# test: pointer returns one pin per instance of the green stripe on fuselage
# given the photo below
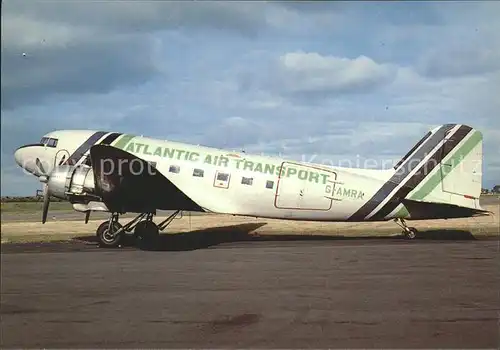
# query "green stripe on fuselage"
(433, 181)
(123, 141)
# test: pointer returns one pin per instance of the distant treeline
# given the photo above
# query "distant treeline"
(9, 199)
(494, 190)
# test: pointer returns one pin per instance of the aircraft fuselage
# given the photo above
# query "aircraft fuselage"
(238, 183)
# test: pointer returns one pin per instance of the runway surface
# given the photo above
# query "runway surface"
(288, 293)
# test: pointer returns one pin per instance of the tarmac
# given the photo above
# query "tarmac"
(230, 291)
(253, 284)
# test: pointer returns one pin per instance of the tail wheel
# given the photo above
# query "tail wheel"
(411, 233)
(108, 238)
(146, 233)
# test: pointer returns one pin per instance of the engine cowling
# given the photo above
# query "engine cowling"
(67, 181)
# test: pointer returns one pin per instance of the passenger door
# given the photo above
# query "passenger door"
(304, 187)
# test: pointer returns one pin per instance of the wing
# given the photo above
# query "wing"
(127, 183)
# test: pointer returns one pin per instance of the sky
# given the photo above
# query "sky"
(338, 83)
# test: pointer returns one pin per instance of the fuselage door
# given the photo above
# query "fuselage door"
(304, 187)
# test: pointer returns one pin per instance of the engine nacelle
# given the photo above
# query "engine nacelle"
(66, 181)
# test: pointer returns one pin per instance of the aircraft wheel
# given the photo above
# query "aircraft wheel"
(411, 233)
(106, 238)
(147, 234)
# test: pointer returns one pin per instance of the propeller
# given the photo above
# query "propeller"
(44, 178)
(46, 202)
(40, 166)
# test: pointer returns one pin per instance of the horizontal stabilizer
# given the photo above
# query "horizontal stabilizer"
(419, 210)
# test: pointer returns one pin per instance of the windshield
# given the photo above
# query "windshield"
(49, 141)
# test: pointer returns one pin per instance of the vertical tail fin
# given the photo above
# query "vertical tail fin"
(445, 166)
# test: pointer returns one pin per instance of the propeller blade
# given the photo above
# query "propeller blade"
(62, 159)
(46, 201)
(87, 216)
(40, 166)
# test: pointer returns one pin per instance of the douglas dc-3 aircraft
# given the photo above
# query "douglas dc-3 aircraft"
(440, 177)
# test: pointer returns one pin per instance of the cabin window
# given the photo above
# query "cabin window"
(247, 180)
(222, 177)
(198, 172)
(222, 180)
(174, 169)
(52, 143)
(269, 184)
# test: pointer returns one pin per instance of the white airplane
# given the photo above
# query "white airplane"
(440, 177)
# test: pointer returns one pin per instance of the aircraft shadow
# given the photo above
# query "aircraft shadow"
(447, 234)
(205, 238)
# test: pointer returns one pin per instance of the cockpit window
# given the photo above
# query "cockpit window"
(49, 142)
(52, 142)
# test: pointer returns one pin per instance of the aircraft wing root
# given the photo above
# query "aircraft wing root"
(127, 183)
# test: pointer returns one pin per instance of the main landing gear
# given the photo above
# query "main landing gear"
(408, 232)
(143, 229)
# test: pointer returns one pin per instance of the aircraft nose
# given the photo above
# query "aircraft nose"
(24, 159)
(20, 156)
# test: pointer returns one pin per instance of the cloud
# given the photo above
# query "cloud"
(147, 17)
(312, 73)
(75, 68)
(307, 76)
(460, 61)
(53, 48)
(22, 32)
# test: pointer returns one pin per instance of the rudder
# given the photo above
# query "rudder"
(461, 170)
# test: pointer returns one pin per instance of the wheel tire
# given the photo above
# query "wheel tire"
(146, 234)
(105, 240)
(411, 233)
